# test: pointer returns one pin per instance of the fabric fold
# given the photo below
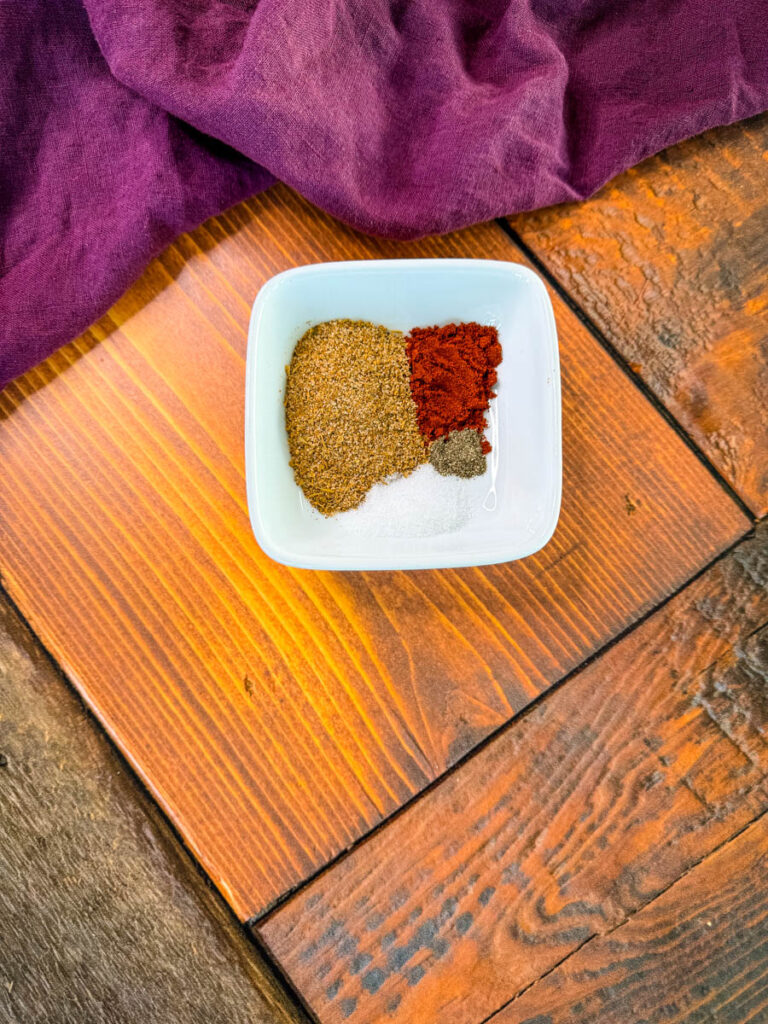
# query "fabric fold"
(122, 125)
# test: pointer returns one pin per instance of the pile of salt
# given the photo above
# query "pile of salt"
(423, 504)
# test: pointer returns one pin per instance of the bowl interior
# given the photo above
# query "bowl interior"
(514, 505)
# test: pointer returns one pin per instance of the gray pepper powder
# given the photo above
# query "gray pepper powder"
(458, 454)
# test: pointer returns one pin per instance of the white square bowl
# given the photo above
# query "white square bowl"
(515, 504)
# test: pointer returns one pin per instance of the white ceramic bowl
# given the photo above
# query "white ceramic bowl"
(515, 504)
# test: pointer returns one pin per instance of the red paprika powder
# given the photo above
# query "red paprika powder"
(453, 372)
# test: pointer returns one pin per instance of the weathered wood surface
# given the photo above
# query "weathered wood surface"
(671, 261)
(278, 715)
(103, 916)
(698, 953)
(578, 814)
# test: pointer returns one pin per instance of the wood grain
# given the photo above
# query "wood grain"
(697, 953)
(276, 714)
(105, 918)
(671, 261)
(574, 817)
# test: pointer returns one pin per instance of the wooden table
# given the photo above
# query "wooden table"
(530, 792)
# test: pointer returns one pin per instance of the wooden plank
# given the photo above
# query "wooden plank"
(575, 816)
(697, 953)
(277, 714)
(104, 916)
(670, 260)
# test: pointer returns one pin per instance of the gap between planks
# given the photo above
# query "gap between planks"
(620, 924)
(354, 908)
(130, 772)
(257, 920)
(623, 364)
(482, 242)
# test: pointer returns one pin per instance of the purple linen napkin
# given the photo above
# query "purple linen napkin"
(126, 122)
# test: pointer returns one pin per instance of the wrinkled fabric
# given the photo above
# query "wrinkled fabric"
(126, 122)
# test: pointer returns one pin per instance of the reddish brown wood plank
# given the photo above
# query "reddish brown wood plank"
(578, 814)
(671, 261)
(277, 714)
(697, 953)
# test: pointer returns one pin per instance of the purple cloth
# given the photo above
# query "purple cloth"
(125, 122)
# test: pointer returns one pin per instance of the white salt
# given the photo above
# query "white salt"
(423, 504)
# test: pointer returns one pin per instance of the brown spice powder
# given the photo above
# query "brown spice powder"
(349, 412)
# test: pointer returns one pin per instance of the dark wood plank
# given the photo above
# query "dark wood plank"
(104, 917)
(277, 714)
(671, 261)
(573, 818)
(697, 953)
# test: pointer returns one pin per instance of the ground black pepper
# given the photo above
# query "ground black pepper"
(458, 454)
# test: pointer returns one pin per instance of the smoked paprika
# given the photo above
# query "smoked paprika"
(453, 372)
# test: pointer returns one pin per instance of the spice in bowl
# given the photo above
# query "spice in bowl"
(365, 406)
(349, 413)
(459, 453)
(453, 372)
